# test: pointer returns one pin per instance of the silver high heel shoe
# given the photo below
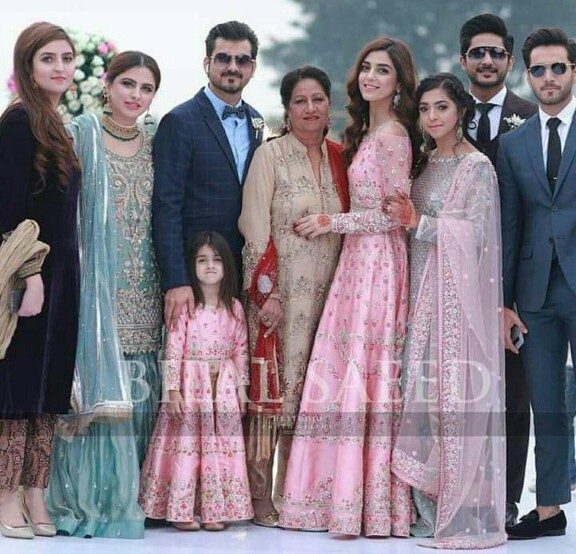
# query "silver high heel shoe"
(38, 529)
(16, 532)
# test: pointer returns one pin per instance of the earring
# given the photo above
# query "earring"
(106, 109)
(427, 144)
(330, 120)
(73, 89)
(148, 118)
(288, 124)
(459, 132)
(396, 100)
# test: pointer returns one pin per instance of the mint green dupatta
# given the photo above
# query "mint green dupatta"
(101, 386)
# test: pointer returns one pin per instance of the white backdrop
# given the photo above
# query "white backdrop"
(172, 31)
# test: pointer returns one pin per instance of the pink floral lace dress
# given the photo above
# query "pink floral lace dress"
(339, 474)
(198, 466)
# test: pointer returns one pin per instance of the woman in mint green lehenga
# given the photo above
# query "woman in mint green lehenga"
(95, 472)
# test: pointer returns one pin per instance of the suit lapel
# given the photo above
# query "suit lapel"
(567, 156)
(533, 139)
(215, 125)
(507, 111)
(254, 143)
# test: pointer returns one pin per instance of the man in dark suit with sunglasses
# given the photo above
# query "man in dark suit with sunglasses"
(486, 57)
(202, 151)
(537, 174)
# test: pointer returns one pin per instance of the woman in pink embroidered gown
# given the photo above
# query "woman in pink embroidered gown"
(450, 445)
(338, 475)
(196, 461)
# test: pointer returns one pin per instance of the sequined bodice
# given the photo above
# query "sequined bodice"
(428, 193)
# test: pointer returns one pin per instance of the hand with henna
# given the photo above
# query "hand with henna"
(311, 226)
(400, 209)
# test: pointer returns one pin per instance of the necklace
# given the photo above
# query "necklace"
(120, 132)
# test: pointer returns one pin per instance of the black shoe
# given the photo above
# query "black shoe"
(511, 514)
(530, 527)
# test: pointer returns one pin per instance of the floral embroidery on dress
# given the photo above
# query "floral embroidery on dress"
(138, 294)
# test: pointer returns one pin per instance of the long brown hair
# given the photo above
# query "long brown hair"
(125, 61)
(219, 245)
(358, 108)
(54, 144)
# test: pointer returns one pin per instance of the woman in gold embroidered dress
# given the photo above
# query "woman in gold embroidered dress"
(287, 276)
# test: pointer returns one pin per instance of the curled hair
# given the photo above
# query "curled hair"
(234, 31)
(219, 245)
(55, 148)
(358, 108)
(548, 36)
(485, 23)
(292, 78)
(124, 61)
(455, 90)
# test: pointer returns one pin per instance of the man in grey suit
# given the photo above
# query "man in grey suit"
(486, 55)
(202, 151)
(537, 173)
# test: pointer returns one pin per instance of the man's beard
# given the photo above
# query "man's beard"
(500, 78)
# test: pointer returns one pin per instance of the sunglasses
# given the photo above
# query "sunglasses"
(558, 68)
(495, 52)
(224, 60)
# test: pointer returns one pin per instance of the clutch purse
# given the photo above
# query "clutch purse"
(15, 300)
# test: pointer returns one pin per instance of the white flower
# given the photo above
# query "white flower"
(514, 121)
(97, 60)
(74, 105)
(98, 71)
(86, 99)
(80, 60)
(257, 123)
(79, 75)
(71, 95)
(84, 86)
(93, 80)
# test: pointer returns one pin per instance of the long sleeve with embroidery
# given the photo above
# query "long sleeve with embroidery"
(380, 169)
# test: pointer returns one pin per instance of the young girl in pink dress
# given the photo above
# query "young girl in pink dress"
(196, 460)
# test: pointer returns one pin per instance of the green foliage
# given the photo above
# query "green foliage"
(332, 32)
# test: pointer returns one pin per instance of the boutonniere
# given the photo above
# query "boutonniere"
(258, 124)
(514, 121)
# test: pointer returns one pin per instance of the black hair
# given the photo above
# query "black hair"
(548, 36)
(219, 245)
(235, 31)
(455, 90)
(485, 23)
(292, 78)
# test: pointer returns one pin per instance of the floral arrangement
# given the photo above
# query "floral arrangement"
(93, 54)
(514, 121)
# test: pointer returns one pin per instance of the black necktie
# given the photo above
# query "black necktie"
(554, 151)
(484, 134)
(238, 111)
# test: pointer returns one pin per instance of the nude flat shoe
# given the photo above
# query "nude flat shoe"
(39, 529)
(216, 526)
(187, 526)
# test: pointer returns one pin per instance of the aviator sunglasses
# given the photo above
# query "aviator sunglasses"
(224, 60)
(558, 68)
(478, 53)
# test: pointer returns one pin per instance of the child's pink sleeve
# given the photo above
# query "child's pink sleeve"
(174, 354)
(240, 352)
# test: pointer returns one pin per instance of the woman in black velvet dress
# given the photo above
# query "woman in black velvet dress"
(39, 179)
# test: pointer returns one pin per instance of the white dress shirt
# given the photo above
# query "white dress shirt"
(565, 116)
(493, 115)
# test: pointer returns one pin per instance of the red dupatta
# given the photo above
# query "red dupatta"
(264, 395)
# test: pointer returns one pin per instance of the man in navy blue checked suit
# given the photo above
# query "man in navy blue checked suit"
(202, 151)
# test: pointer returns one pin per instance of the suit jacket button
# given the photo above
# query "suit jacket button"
(554, 208)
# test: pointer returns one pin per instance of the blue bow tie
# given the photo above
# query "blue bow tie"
(238, 112)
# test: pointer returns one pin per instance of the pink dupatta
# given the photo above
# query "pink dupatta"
(451, 439)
